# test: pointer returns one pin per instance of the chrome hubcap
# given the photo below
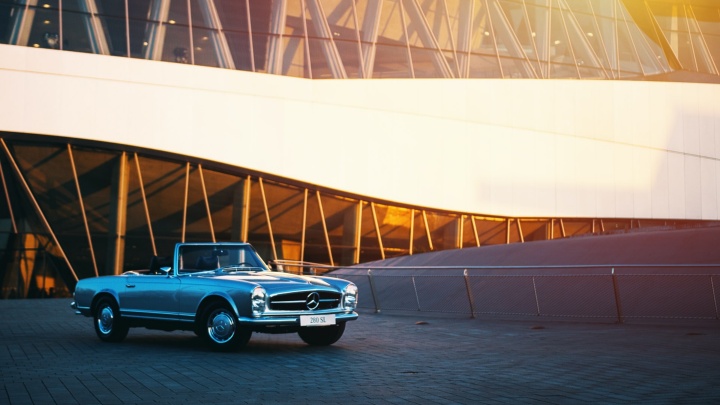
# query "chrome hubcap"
(221, 327)
(105, 320)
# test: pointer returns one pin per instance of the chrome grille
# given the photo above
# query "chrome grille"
(298, 301)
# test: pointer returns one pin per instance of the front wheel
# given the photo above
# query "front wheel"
(321, 335)
(221, 329)
(108, 325)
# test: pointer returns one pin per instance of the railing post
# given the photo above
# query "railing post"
(372, 289)
(537, 301)
(712, 287)
(617, 296)
(469, 293)
(417, 298)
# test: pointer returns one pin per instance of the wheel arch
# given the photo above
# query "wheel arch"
(214, 298)
(104, 294)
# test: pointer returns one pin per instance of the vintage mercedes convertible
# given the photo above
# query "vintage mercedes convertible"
(223, 292)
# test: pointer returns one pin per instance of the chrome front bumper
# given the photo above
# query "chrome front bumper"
(73, 305)
(291, 320)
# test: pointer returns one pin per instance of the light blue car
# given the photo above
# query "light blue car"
(223, 292)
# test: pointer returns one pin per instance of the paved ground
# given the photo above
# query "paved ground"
(49, 355)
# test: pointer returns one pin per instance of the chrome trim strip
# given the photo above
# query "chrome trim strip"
(341, 317)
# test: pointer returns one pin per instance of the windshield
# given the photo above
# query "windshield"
(203, 257)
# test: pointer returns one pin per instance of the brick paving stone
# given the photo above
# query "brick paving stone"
(382, 359)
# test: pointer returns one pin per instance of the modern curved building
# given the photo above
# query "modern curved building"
(343, 131)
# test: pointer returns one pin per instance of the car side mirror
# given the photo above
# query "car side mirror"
(166, 270)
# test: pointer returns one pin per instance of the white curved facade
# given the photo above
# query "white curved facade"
(518, 148)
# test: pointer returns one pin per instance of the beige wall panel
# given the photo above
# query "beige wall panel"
(555, 148)
(693, 187)
(676, 185)
(709, 182)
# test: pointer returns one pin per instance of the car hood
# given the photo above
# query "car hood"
(279, 282)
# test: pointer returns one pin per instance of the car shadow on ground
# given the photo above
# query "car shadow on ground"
(186, 342)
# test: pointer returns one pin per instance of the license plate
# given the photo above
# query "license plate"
(317, 320)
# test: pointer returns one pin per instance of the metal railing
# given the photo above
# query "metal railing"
(616, 293)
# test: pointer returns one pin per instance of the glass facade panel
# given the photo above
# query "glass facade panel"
(341, 17)
(57, 197)
(294, 57)
(94, 171)
(260, 12)
(708, 19)
(425, 62)
(78, 33)
(421, 242)
(629, 64)
(116, 35)
(391, 62)
(286, 208)
(316, 248)
(562, 60)
(341, 218)
(394, 225)
(592, 35)
(224, 193)
(350, 55)
(444, 230)
(8, 16)
(239, 44)
(520, 18)
(177, 13)
(45, 31)
(233, 15)
(369, 242)
(164, 184)
(468, 235)
(391, 26)
(177, 44)
(483, 37)
(295, 19)
(198, 227)
(582, 6)
(260, 51)
(484, 66)
(110, 8)
(323, 38)
(139, 45)
(491, 232)
(713, 44)
(138, 242)
(321, 50)
(207, 46)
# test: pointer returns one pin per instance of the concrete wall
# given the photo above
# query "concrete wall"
(551, 148)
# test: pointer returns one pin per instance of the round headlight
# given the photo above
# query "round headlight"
(350, 296)
(259, 301)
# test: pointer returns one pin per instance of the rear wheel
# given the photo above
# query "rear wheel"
(322, 335)
(221, 329)
(109, 326)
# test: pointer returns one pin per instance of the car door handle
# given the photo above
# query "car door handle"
(130, 285)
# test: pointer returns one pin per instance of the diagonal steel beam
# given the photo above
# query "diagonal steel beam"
(36, 206)
(370, 29)
(503, 29)
(422, 27)
(155, 33)
(94, 28)
(211, 18)
(322, 28)
(278, 13)
(465, 17)
(82, 208)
